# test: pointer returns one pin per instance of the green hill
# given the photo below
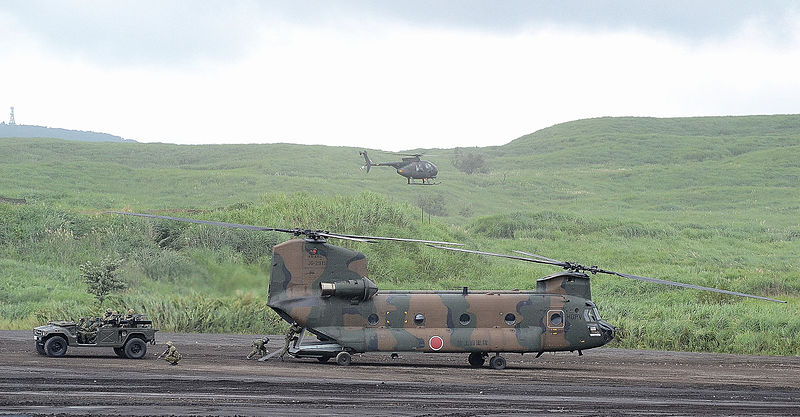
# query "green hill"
(31, 131)
(712, 201)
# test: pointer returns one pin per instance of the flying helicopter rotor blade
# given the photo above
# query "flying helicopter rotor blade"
(696, 287)
(519, 258)
(397, 239)
(213, 223)
(533, 255)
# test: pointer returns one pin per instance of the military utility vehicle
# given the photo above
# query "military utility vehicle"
(129, 338)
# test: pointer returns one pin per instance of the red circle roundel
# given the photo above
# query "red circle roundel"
(436, 343)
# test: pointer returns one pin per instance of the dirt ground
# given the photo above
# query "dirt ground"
(214, 379)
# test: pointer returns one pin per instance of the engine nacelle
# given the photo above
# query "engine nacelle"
(361, 289)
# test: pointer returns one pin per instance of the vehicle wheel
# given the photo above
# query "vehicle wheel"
(120, 352)
(343, 358)
(476, 359)
(497, 362)
(135, 348)
(324, 359)
(55, 346)
(39, 348)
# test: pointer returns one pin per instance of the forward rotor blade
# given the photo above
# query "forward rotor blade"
(594, 269)
(397, 239)
(213, 223)
(519, 258)
(696, 287)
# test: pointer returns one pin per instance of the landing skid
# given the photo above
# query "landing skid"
(424, 183)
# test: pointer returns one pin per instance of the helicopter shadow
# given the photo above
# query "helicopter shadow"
(401, 363)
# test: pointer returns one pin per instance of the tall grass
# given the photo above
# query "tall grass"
(204, 278)
(708, 201)
(187, 277)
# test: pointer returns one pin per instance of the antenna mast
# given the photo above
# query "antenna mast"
(11, 120)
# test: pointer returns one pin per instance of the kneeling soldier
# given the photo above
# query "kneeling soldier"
(259, 347)
(172, 354)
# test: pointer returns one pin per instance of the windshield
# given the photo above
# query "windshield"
(591, 314)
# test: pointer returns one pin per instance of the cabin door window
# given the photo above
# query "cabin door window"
(555, 319)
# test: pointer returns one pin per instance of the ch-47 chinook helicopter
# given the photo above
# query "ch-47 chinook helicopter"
(324, 289)
(410, 167)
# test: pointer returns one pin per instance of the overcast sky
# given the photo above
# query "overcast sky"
(391, 75)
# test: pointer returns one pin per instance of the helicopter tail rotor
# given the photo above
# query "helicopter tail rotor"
(367, 160)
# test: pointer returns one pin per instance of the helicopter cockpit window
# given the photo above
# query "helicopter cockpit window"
(419, 319)
(591, 314)
(510, 319)
(556, 319)
(464, 319)
(373, 319)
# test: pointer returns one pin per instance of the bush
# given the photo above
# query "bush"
(102, 278)
(431, 204)
(469, 162)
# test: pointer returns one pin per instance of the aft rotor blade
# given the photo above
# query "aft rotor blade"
(345, 237)
(356, 238)
(697, 287)
(595, 270)
(519, 258)
(537, 256)
(213, 223)
(397, 239)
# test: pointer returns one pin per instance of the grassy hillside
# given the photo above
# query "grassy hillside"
(710, 201)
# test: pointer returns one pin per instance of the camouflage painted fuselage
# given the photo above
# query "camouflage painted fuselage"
(325, 289)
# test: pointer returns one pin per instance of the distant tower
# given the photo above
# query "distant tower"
(11, 120)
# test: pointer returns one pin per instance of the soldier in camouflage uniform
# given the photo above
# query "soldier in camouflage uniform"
(110, 318)
(172, 354)
(259, 347)
(292, 334)
(130, 314)
(82, 330)
(91, 331)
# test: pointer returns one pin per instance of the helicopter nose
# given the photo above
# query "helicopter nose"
(607, 330)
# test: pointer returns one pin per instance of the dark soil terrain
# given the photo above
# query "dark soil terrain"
(214, 379)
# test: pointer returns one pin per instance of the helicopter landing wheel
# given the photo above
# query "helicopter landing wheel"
(497, 362)
(343, 359)
(477, 359)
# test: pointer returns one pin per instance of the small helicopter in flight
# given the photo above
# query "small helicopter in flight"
(410, 167)
(325, 290)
